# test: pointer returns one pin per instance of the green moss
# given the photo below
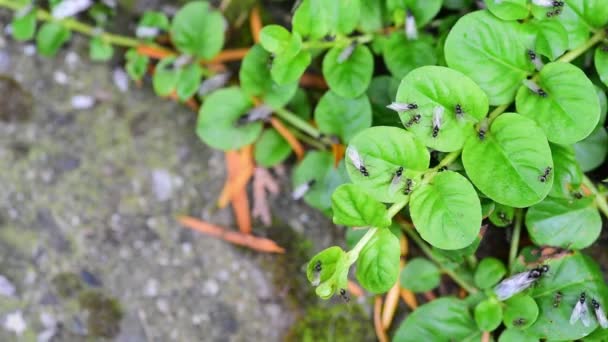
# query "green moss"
(67, 284)
(105, 313)
(345, 322)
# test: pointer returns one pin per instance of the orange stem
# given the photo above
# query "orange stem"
(429, 295)
(338, 152)
(228, 56)
(154, 51)
(409, 298)
(291, 139)
(239, 174)
(390, 305)
(240, 206)
(355, 289)
(380, 333)
(255, 22)
(249, 241)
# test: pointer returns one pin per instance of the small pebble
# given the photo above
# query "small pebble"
(60, 77)
(14, 322)
(162, 306)
(121, 79)
(151, 288)
(29, 49)
(82, 101)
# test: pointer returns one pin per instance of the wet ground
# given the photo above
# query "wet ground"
(89, 247)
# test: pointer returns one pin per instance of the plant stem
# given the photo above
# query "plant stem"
(353, 254)
(600, 200)
(515, 238)
(396, 207)
(496, 112)
(300, 124)
(573, 54)
(341, 41)
(429, 253)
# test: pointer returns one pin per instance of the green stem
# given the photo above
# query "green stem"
(573, 54)
(301, 124)
(353, 254)
(429, 253)
(600, 200)
(340, 41)
(515, 237)
(309, 140)
(496, 112)
(396, 207)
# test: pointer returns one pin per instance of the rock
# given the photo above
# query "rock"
(15, 323)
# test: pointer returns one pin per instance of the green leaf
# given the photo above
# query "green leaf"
(300, 104)
(216, 124)
(383, 151)
(593, 13)
(508, 9)
(286, 69)
(488, 314)
(402, 55)
(601, 95)
(515, 335)
(591, 151)
(502, 215)
(189, 81)
(430, 87)
(152, 19)
(569, 274)
(489, 272)
(198, 30)
(443, 319)
(420, 275)
(343, 117)
(24, 28)
(333, 274)
(51, 37)
(446, 211)
(137, 64)
(99, 50)
(347, 14)
(568, 175)
(320, 167)
(274, 38)
(313, 18)
(489, 51)
(517, 152)
(382, 90)
(378, 262)
(546, 37)
(601, 63)
(350, 77)
(423, 11)
(256, 80)
(578, 31)
(271, 149)
(572, 224)
(353, 207)
(373, 19)
(520, 312)
(353, 236)
(165, 77)
(569, 111)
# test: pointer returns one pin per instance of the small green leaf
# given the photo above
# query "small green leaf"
(343, 117)
(286, 69)
(572, 224)
(383, 151)
(137, 64)
(24, 28)
(578, 30)
(517, 152)
(570, 110)
(216, 124)
(593, 13)
(547, 37)
(271, 149)
(420, 275)
(165, 77)
(274, 38)
(198, 30)
(151, 20)
(313, 18)
(349, 77)
(446, 211)
(372, 20)
(443, 319)
(51, 37)
(99, 50)
(515, 335)
(348, 13)
(568, 175)
(320, 167)
(423, 11)
(300, 105)
(490, 51)
(488, 314)
(489, 272)
(402, 55)
(601, 95)
(189, 81)
(601, 62)
(432, 87)
(591, 151)
(333, 274)
(378, 262)
(521, 312)
(256, 80)
(508, 9)
(353, 207)
(502, 215)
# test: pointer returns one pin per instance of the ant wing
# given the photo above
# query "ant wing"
(466, 118)
(354, 157)
(601, 317)
(580, 312)
(392, 189)
(513, 285)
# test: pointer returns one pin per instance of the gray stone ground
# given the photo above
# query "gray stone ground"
(90, 196)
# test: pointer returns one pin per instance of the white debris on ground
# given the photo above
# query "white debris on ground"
(121, 79)
(82, 101)
(29, 49)
(7, 288)
(14, 322)
(60, 77)
(68, 8)
(162, 184)
(50, 327)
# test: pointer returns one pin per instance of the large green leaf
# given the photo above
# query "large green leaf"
(591, 151)
(446, 211)
(420, 275)
(378, 262)
(355, 208)
(567, 173)
(546, 37)
(521, 311)
(508, 163)
(572, 224)
(313, 18)
(569, 274)
(601, 62)
(488, 314)
(489, 272)
(431, 86)
(569, 111)
(271, 149)
(402, 55)
(444, 319)
(491, 52)
(383, 151)
(343, 117)
(594, 13)
(372, 20)
(508, 9)
(256, 80)
(217, 118)
(320, 167)
(349, 77)
(578, 31)
(347, 15)
(51, 37)
(516, 335)
(288, 69)
(198, 30)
